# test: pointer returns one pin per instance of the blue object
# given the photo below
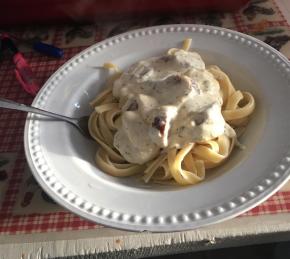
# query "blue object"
(47, 49)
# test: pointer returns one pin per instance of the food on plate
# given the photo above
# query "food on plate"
(170, 118)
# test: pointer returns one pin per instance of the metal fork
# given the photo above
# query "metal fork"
(80, 123)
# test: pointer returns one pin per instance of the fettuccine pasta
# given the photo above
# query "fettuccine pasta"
(169, 151)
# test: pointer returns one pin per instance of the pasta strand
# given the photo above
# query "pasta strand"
(182, 166)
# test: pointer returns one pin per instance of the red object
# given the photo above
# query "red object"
(22, 70)
(24, 74)
(48, 11)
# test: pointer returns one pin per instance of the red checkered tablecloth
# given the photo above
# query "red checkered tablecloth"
(25, 208)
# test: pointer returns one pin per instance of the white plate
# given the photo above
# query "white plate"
(62, 160)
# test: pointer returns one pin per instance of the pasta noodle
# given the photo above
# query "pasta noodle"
(183, 166)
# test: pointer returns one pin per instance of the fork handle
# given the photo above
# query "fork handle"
(8, 104)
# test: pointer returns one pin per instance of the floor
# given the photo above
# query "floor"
(265, 251)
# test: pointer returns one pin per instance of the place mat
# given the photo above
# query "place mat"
(25, 207)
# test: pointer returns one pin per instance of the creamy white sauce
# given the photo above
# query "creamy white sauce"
(167, 101)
